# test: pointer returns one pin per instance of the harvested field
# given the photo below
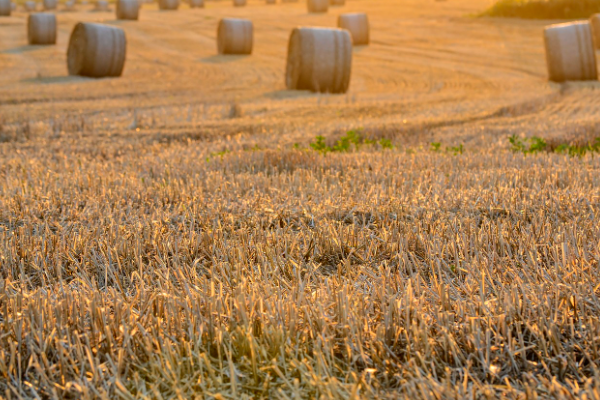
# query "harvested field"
(181, 231)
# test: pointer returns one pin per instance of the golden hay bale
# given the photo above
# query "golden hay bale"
(317, 6)
(337, 2)
(319, 59)
(96, 50)
(13, 6)
(168, 4)
(239, 3)
(271, 1)
(70, 5)
(102, 5)
(358, 26)
(30, 6)
(41, 28)
(196, 3)
(128, 9)
(235, 36)
(570, 52)
(595, 25)
(5, 8)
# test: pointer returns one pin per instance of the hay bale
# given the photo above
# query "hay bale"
(271, 1)
(570, 52)
(239, 3)
(102, 5)
(317, 6)
(595, 25)
(30, 6)
(13, 6)
(358, 26)
(319, 59)
(337, 2)
(196, 3)
(96, 50)
(41, 28)
(50, 4)
(128, 9)
(235, 36)
(168, 4)
(5, 8)
(70, 5)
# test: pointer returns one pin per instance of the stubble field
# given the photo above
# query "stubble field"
(172, 234)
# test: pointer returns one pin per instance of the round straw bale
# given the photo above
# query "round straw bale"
(128, 9)
(271, 1)
(70, 5)
(595, 25)
(50, 4)
(96, 50)
(317, 6)
(235, 36)
(168, 4)
(5, 8)
(319, 59)
(13, 6)
(358, 26)
(102, 5)
(41, 28)
(196, 3)
(570, 52)
(337, 2)
(30, 6)
(239, 3)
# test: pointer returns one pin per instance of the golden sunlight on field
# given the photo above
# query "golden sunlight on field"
(195, 229)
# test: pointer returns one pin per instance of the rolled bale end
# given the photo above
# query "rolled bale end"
(358, 26)
(5, 8)
(96, 50)
(102, 5)
(41, 28)
(196, 3)
(319, 60)
(168, 4)
(30, 6)
(70, 5)
(595, 25)
(50, 5)
(239, 3)
(317, 6)
(235, 36)
(128, 9)
(570, 52)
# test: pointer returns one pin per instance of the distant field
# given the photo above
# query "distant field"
(544, 9)
(194, 230)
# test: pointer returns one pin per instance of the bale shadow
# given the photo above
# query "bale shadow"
(23, 49)
(49, 80)
(223, 58)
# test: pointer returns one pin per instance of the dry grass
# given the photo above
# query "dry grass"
(544, 9)
(140, 270)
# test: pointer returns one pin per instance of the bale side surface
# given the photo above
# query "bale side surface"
(319, 59)
(570, 54)
(5, 8)
(235, 36)
(128, 9)
(96, 50)
(41, 28)
(357, 25)
(317, 6)
(196, 3)
(239, 3)
(595, 25)
(168, 4)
